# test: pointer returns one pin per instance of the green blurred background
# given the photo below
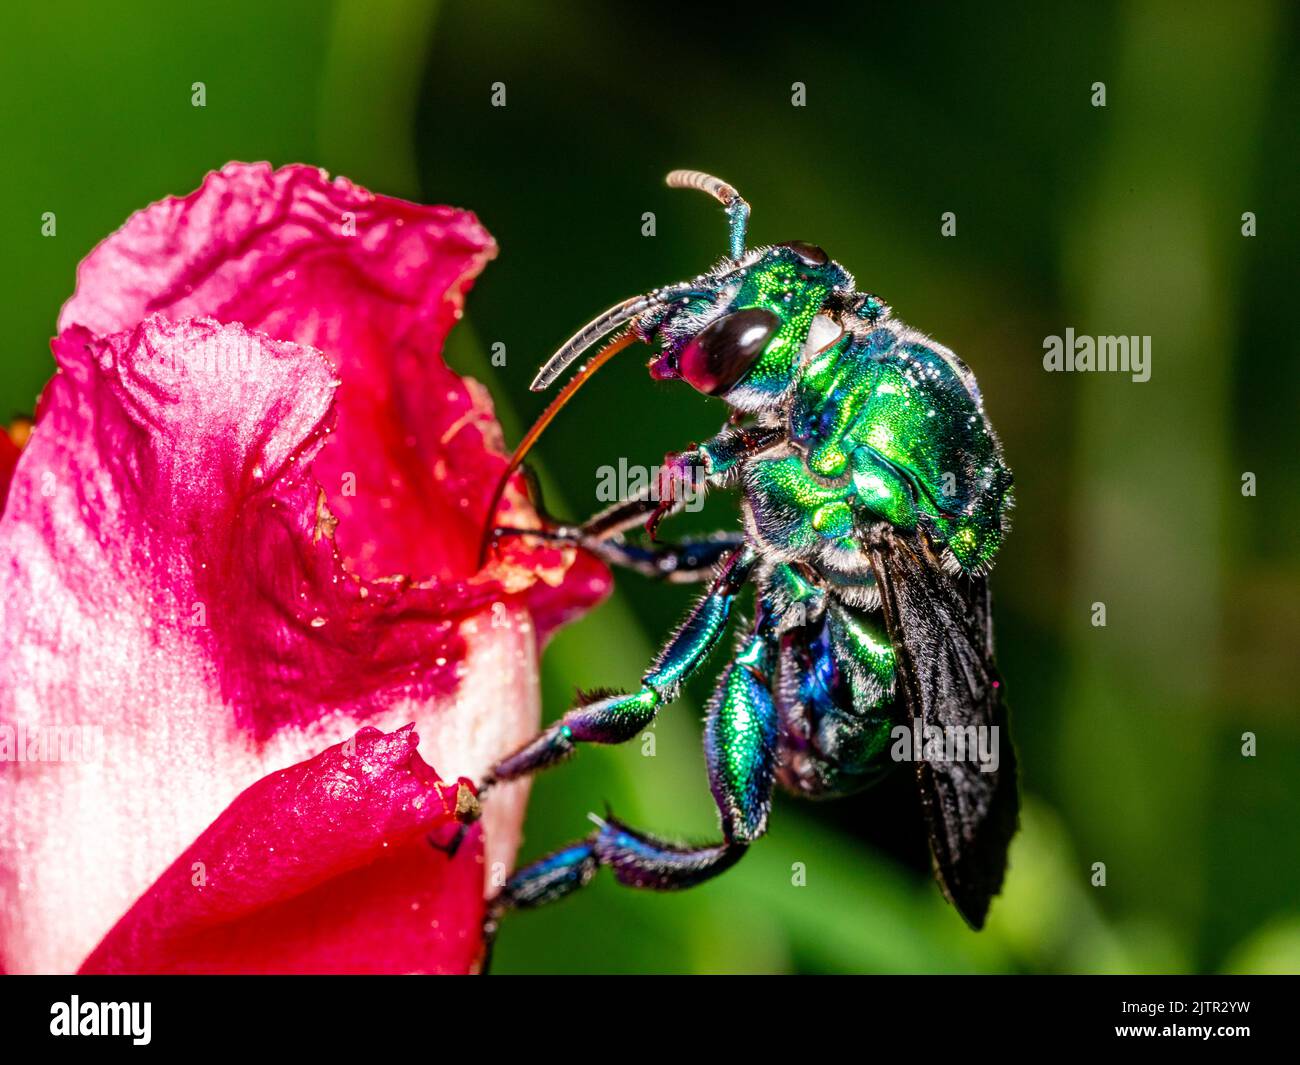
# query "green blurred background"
(1117, 220)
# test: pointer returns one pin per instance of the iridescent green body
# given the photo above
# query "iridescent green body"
(873, 499)
(879, 423)
(886, 425)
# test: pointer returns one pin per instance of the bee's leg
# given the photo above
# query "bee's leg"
(617, 718)
(638, 860)
(614, 519)
(617, 518)
(740, 742)
(684, 477)
(688, 561)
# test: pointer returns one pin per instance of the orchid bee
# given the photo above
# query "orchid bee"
(872, 501)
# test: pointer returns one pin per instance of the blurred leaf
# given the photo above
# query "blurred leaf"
(1274, 949)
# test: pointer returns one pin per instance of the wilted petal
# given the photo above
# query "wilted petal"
(170, 580)
(375, 283)
(276, 882)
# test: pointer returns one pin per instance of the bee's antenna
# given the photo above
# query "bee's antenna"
(737, 208)
(620, 314)
(574, 347)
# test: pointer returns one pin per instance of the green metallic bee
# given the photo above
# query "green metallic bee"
(874, 498)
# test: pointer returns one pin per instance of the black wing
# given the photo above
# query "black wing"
(941, 630)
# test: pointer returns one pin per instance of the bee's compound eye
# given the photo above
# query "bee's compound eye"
(723, 352)
(809, 254)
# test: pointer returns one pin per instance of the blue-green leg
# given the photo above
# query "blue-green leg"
(617, 718)
(687, 561)
(684, 476)
(637, 859)
(740, 743)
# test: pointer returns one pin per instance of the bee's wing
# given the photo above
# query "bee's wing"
(943, 643)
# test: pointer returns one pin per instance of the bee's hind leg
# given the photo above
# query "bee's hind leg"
(740, 745)
(638, 860)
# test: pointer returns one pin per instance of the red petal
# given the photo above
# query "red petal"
(159, 487)
(323, 866)
(9, 453)
(169, 579)
(375, 283)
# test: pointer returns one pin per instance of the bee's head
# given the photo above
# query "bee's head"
(743, 330)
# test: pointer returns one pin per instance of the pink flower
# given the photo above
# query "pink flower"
(237, 561)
